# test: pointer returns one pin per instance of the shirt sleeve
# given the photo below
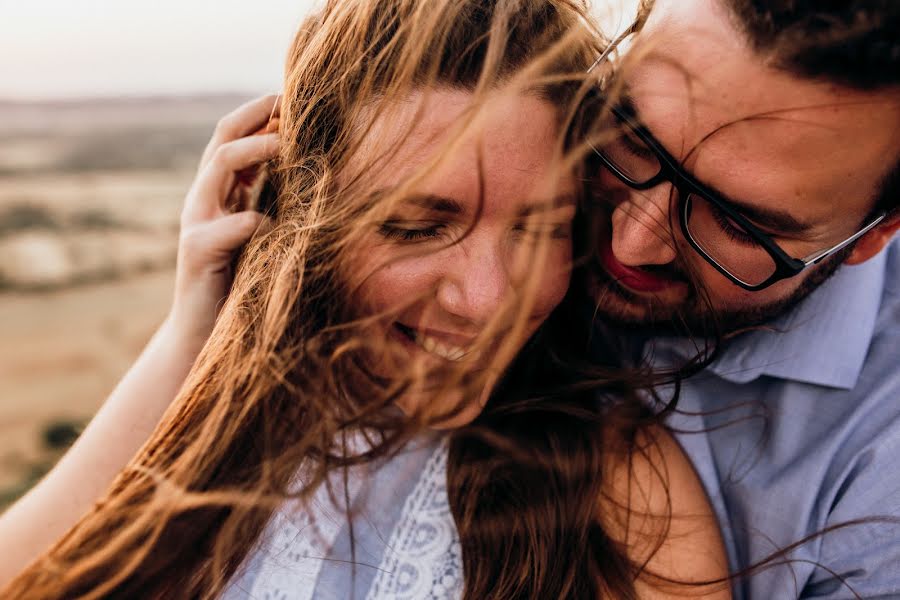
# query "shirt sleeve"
(860, 548)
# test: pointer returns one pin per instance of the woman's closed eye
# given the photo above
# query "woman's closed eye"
(411, 230)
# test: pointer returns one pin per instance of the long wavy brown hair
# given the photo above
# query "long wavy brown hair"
(286, 379)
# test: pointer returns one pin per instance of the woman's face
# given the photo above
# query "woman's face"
(470, 233)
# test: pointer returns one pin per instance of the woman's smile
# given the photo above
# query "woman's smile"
(449, 346)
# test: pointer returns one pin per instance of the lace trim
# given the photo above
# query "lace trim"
(298, 538)
(423, 559)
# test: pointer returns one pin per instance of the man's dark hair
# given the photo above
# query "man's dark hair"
(855, 43)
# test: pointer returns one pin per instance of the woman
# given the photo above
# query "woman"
(422, 237)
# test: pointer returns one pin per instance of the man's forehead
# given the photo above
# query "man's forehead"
(697, 78)
(696, 61)
(750, 130)
(676, 14)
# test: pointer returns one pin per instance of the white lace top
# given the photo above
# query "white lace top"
(404, 540)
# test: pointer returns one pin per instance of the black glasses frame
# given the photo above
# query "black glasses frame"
(685, 185)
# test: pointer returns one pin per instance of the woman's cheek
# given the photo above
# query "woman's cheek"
(395, 281)
(555, 282)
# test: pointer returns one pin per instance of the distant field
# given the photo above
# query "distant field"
(90, 194)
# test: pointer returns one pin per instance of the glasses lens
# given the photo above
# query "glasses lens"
(726, 243)
(629, 155)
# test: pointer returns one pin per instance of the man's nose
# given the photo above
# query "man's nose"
(475, 283)
(641, 230)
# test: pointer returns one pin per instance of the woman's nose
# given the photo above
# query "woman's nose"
(476, 282)
(641, 231)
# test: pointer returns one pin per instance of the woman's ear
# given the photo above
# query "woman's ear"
(873, 242)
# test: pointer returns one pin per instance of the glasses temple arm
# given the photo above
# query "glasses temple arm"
(818, 256)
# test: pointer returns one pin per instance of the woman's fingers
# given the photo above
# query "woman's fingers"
(209, 247)
(215, 181)
(246, 119)
(203, 277)
(233, 231)
(210, 233)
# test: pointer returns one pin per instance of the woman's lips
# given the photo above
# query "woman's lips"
(634, 279)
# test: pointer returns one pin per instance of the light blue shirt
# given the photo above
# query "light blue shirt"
(800, 432)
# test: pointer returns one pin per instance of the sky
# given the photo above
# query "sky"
(53, 49)
(83, 48)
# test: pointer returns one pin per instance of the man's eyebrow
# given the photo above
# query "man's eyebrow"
(773, 219)
(628, 106)
(779, 221)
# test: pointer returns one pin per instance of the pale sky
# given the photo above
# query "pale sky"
(87, 48)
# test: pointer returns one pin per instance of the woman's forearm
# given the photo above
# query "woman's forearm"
(114, 435)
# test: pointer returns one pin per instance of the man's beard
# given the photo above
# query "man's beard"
(695, 316)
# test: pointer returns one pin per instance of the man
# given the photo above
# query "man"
(760, 157)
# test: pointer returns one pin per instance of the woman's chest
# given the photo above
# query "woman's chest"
(400, 542)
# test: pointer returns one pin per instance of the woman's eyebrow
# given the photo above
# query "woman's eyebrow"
(438, 203)
(561, 201)
(430, 202)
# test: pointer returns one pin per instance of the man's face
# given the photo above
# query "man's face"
(808, 156)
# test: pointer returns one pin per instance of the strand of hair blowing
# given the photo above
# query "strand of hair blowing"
(283, 376)
(541, 458)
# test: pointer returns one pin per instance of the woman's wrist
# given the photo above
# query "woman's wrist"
(179, 337)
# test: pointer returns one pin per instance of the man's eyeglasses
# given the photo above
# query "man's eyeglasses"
(724, 237)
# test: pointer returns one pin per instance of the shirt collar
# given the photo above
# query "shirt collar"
(823, 340)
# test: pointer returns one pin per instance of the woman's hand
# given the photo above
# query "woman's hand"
(212, 229)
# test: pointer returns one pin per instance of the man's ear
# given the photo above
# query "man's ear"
(873, 242)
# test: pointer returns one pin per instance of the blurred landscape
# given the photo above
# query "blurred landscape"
(90, 196)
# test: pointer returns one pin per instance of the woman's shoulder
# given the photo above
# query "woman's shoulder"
(653, 504)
